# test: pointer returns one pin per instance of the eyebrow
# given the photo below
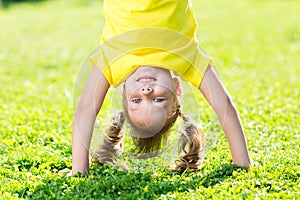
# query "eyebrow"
(131, 108)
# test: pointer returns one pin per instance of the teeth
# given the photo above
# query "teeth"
(146, 80)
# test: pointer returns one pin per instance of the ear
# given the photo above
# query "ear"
(177, 86)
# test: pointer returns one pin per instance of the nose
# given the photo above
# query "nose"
(146, 90)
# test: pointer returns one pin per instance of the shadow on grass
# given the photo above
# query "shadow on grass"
(109, 183)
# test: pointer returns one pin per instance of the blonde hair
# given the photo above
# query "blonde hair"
(191, 140)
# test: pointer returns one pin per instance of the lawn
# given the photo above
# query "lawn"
(256, 48)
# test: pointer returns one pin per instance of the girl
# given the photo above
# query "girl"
(142, 43)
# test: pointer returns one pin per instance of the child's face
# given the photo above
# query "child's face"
(150, 93)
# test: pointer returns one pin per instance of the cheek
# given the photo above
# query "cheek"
(130, 90)
(127, 92)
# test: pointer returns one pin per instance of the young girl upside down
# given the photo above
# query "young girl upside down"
(143, 43)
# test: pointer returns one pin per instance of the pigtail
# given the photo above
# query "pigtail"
(112, 145)
(191, 143)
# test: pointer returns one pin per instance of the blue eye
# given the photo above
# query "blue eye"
(158, 100)
(136, 100)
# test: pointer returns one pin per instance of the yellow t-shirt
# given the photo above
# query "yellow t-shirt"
(159, 33)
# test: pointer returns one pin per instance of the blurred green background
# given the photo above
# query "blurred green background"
(256, 48)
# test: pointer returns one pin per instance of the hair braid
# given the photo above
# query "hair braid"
(112, 145)
(193, 137)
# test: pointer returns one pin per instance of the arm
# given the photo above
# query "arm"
(217, 96)
(84, 119)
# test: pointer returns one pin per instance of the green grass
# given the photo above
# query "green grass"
(256, 47)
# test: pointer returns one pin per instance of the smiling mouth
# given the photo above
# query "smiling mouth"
(146, 79)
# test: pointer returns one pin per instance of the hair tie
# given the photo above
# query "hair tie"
(185, 119)
(181, 114)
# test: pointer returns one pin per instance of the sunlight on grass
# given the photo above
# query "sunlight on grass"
(256, 48)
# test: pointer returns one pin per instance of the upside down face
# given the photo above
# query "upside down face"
(150, 94)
